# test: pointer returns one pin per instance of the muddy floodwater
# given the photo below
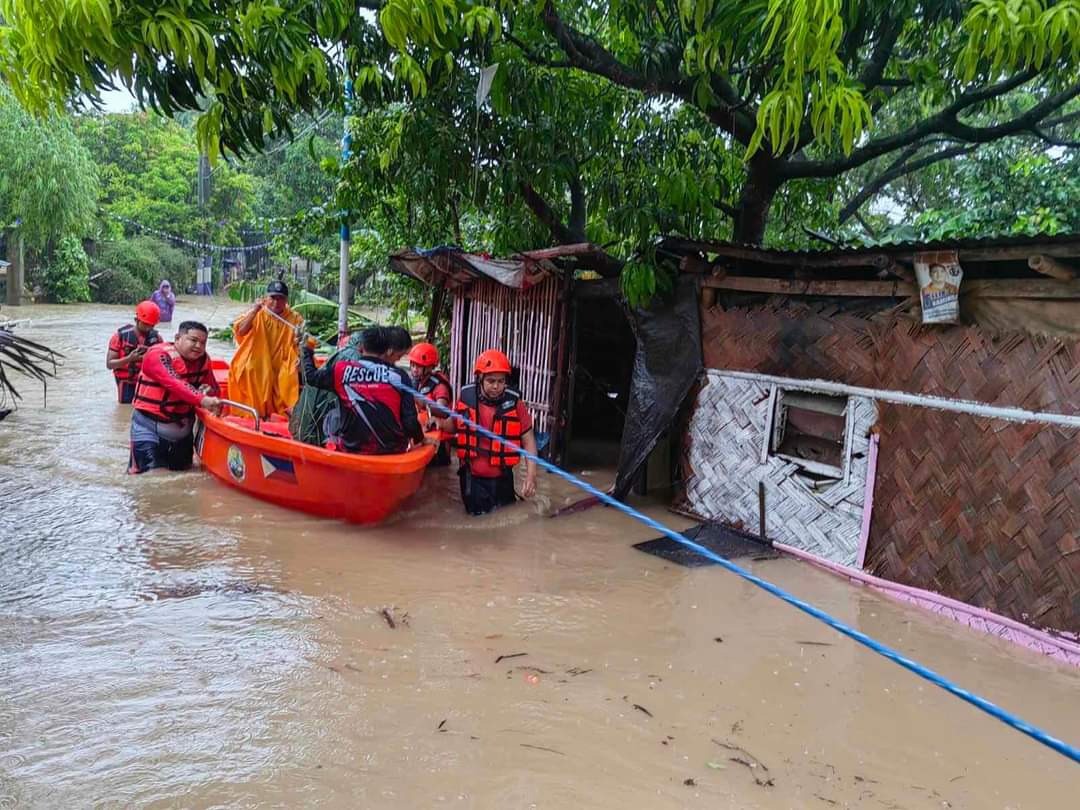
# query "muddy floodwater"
(168, 642)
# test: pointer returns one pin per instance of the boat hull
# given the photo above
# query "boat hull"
(269, 465)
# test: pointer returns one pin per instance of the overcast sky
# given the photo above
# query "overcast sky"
(118, 101)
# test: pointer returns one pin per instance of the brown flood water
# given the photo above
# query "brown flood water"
(168, 642)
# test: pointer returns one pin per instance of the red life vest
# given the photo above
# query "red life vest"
(129, 342)
(506, 425)
(154, 399)
(427, 388)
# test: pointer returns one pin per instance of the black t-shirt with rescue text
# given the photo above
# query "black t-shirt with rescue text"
(376, 416)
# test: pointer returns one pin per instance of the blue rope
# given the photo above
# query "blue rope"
(978, 702)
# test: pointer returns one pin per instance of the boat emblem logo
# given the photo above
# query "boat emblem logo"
(235, 461)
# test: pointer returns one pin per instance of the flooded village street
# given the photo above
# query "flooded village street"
(168, 642)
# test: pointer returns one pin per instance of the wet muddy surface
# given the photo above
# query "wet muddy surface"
(168, 642)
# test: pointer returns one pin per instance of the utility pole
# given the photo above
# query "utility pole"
(346, 235)
(204, 278)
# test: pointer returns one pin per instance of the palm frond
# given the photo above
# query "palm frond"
(25, 357)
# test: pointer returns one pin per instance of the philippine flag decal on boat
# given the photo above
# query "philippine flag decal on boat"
(278, 469)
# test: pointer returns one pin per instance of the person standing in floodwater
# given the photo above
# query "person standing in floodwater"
(487, 467)
(165, 299)
(128, 346)
(175, 379)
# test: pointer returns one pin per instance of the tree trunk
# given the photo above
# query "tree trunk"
(756, 200)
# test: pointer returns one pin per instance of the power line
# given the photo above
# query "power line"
(206, 246)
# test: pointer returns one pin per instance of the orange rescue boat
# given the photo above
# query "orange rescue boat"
(261, 458)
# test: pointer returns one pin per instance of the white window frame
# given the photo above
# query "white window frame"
(774, 427)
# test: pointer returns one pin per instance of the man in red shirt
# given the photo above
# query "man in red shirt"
(487, 467)
(175, 379)
(127, 347)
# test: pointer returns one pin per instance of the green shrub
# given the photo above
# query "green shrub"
(66, 278)
(136, 266)
(117, 286)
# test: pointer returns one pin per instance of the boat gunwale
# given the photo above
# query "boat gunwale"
(407, 463)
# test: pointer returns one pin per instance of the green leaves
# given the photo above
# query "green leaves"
(1010, 35)
(47, 178)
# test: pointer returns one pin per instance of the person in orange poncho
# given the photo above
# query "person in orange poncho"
(264, 371)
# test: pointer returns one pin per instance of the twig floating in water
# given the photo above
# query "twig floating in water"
(815, 643)
(542, 748)
(507, 657)
(643, 710)
(441, 726)
(750, 761)
(389, 619)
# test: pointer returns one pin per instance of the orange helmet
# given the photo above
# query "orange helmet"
(424, 354)
(148, 312)
(492, 362)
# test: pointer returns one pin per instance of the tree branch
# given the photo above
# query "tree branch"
(607, 265)
(587, 54)
(871, 74)
(943, 122)
(896, 170)
(536, 58)
(1054, 140)
(544, 212)
(726, 209)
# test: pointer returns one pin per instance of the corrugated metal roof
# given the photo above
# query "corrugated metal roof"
(681, 245)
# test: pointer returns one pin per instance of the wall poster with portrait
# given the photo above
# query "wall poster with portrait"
(939, 275)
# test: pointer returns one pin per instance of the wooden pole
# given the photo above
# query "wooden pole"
(761, 510)
(16, 272)
(561, 333)
(438, 298)
(1049, 266)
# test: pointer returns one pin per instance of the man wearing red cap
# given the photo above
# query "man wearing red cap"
(127, 347)
(435, 386)
(487, 467)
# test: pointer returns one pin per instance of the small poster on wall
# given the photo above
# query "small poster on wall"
(939, 274)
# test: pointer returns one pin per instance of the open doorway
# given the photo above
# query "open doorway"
(601, 367)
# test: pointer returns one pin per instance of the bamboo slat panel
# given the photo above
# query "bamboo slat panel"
(521, 324)
(723, 465)
(980, 510)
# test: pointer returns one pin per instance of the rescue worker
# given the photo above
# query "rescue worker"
(263, 372)
(399, 340)
(435, 385)
(373, 415)
(307, 418)
(128, 346)
(487, 471)
(174, 379)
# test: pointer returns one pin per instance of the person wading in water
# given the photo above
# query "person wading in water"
(128, 346)
(435, 385)
(487, 468)
(174, 379)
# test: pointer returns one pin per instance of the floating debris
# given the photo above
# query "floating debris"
(508, 657)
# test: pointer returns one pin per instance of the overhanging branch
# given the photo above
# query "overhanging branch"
(585, 53)
(896, 170)
(944, 122)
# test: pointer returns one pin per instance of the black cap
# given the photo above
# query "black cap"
(277, 288)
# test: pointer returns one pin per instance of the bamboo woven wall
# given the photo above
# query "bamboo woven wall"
(723, 465)
(977, 509)
(521, 324)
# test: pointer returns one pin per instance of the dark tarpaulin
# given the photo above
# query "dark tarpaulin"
(667, 364)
